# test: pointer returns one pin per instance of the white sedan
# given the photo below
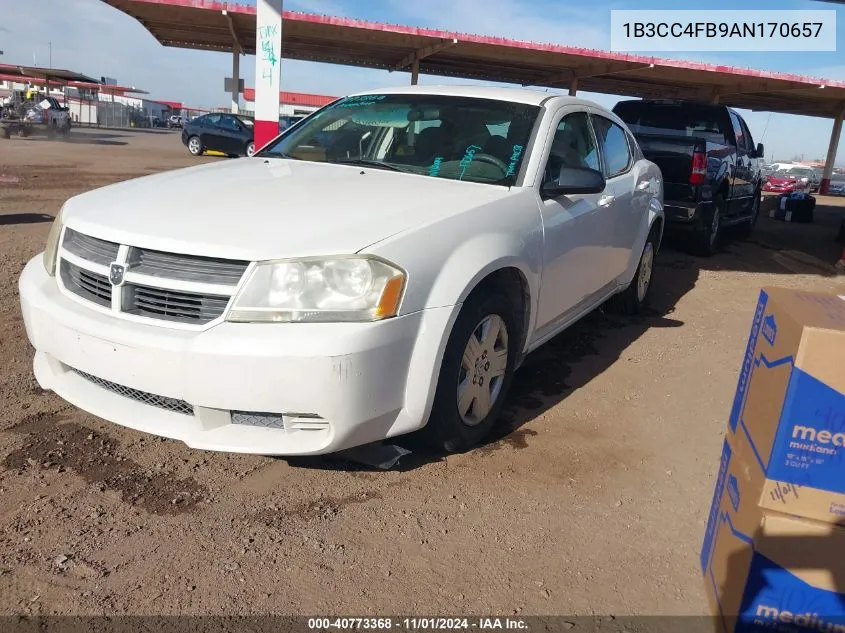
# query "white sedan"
(381, 268)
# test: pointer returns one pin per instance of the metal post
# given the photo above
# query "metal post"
(415, 71)
(268, 56)
(236, 80)
(831, 154)
(573, 87)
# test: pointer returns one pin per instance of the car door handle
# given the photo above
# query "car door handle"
(606, 201)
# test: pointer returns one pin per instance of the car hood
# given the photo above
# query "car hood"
(256, 208)
(781, 181)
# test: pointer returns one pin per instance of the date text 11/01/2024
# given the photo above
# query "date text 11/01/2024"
(421, 623)
(723, 29)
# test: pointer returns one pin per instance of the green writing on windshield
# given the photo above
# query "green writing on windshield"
(435, 166)
(466, 161)
(515, 154)
(360, 100)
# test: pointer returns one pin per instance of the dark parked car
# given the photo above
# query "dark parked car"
(711, 167)
(231, 134)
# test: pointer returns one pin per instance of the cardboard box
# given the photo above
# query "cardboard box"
(765, 570)
(774, 555)
(790, 402)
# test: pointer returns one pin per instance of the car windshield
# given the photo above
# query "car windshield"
(459, 138)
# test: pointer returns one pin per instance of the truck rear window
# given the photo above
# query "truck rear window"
(672, 120)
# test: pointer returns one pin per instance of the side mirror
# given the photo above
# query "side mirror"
(572, 180)
(760, 152)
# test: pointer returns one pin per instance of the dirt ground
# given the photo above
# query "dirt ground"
(592, 499)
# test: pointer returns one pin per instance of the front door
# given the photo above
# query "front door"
(576, 229)
(231, 135)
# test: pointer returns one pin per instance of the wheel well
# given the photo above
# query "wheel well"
(657, 229)
(513, 283)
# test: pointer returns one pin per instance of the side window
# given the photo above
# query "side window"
(211, 119)
(614, 146)
(573, 146)
(229, 123)
(749, 141)
(741, 143)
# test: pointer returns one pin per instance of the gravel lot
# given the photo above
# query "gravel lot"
(592, 499)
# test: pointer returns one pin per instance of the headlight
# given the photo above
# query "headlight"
(51, 249)
(343, 288)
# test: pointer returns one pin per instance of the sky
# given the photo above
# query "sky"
(91, 37)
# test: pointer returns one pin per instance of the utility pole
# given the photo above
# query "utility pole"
(50, 44)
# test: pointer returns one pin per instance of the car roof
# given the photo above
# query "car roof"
(527, 96)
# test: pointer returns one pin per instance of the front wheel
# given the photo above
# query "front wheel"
(475, 374)
(250, 149)
(195, 146)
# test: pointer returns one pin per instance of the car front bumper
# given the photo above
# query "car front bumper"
(274, 389)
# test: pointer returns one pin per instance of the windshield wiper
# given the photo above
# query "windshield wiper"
(368, 163)
(278, 155)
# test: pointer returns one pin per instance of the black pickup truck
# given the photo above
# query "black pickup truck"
(711, 167)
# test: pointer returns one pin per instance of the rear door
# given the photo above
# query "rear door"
(743, 182)
(623, 175)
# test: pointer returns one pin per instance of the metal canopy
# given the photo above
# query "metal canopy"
(222, 26)
(44, 74)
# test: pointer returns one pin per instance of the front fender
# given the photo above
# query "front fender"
(476, 259)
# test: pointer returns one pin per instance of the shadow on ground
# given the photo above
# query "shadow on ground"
(24, 218)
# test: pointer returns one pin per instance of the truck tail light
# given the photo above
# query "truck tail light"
(699, 168)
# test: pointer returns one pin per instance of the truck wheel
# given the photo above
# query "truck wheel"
(195, 146)
(634, 299)
(745, 229)
(708, 236)
(475, 374)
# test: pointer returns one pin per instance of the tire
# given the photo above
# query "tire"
(5, 132)
(745, 229)
(195, 146)
(249, 150)
(448, 427)
(708, 238)
(634, 299)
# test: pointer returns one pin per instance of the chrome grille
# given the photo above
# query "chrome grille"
(168, 287)
(267, 420)
(172, 305)
(90, 248)
(210, 270)
(162, 402)
(86, 284)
